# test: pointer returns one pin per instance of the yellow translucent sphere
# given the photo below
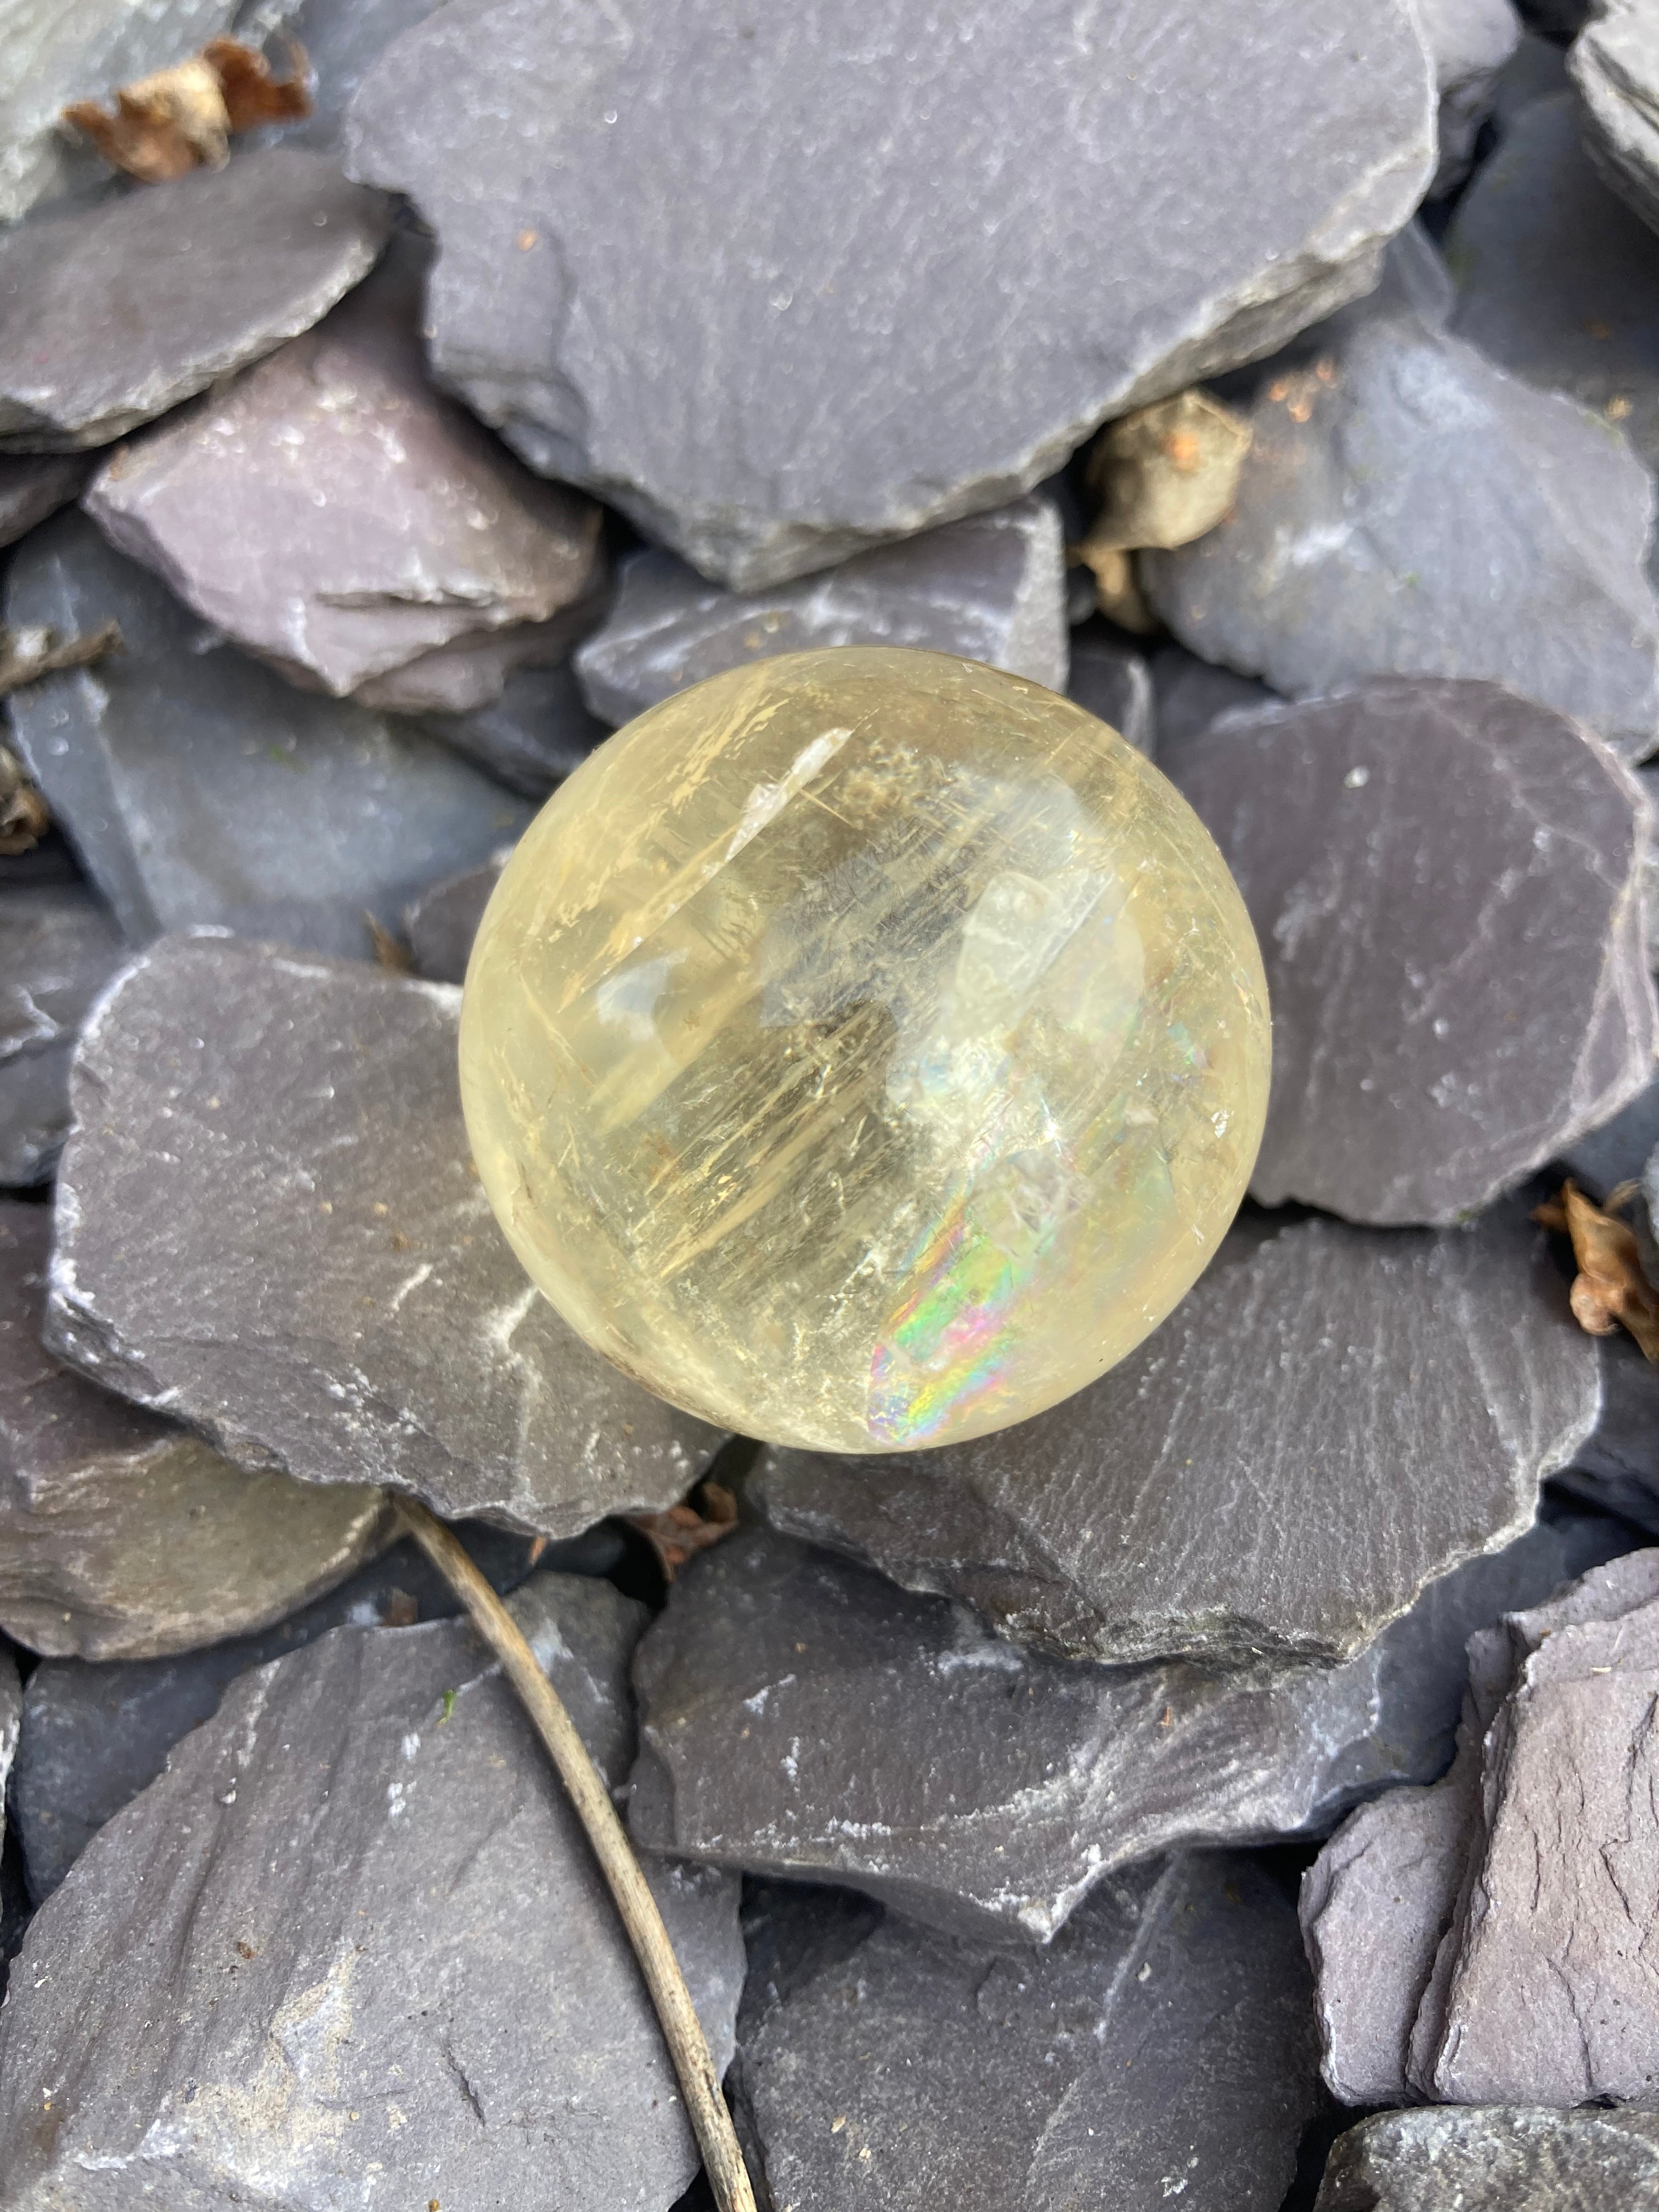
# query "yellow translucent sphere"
(865, 1049)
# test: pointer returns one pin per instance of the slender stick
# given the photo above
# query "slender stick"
(585, 1785)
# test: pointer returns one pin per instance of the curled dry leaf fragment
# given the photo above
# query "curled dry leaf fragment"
(1611, 1286)
(675, 1536)
(26, 655)
(25, 816)
(181, 119)
(1164, 476)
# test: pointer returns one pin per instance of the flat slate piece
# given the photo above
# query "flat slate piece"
(1114, 682)
(441, 924)
(199, 786)
(360, 1932)
(113, 314)
(1468, 41)
(1159, 2047)
(1408, 509)
(269, 1223)
(1615, 62)
(1332, 1418)
(121, 1534)
(333, 514)
(801, 1718)
(990, 588)
(34, 487)
(1510, 2158)
(532, 736)
(1446, 885)
(58, 947)
(769, 407)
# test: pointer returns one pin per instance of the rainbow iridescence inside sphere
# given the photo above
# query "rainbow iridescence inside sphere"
(865, 1049)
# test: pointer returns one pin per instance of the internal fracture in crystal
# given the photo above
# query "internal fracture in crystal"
(865, 1049)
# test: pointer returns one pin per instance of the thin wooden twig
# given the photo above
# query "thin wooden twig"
(586, 1785)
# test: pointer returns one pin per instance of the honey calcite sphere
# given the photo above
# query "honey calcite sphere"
(864, 1048)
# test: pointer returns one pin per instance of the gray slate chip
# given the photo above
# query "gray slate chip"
(359, 1890)
(1332, 1419)
(990, 588)
(200, 787)
(1469, 42)
(1446, 884)
(57, 948)
(441, 924)
(33, 487)
(1113, 681)
(1619, 1149)
(269, 1223)
(113, 314)
(331, 513)
(1189, 694)
(1159, 2047)
(1615, 62)
(1617, 1466)
(94, 1735)
(121, 1534)
(801, 1718)
(1512, 2158)
(744, 278)
(530, 738)
(1408, 509)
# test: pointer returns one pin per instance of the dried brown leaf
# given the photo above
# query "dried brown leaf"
(1165, 474)
(25, 817)
(251, 94)
(1117, 589)
(390, 952)
(676, 1535)
(1611, 1286)
(26, 655)
(181, 119)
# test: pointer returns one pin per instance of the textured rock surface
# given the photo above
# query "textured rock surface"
(1617, 1465)
(441, 924)
(34, 486)
(1113, 681)
(118, 312)
(1414, 1076)
(532, 736)
(1350, 551)
(11, 1710)
(94, 1735)
(269, 1222)
(1330, 1419)
(1189, 694)
(58, 947)
(1495, 2159)
(201, 787)
(358, 1890)
(1469, 42)
(333, 514)
(1618, 1151)
(801, 1716)
(828, 391)
(121, 1534)
(991, 588)
(1159, 2047)
(1615, 62)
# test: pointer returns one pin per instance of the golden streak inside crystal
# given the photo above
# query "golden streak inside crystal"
(865, 1049)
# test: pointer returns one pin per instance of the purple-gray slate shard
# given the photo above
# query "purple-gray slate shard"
(199, 786)
(269, 1227)
(360, 1932)
(530, 738)
(333, 514)
(1113, 681)
(58, 947)
(1446, 884)
(1615, 64)
(742, 278)
(113, 314)
(34, 486)
(1332, 1419)
(441, 925)
(122, 1535)
(991, 587)
(1189, 694)
(1468, 41)
(801, 1718)
(1160, 2047)
(1408, 509)
(1508, 2158)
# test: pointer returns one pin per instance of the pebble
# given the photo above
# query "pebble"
(58, 947)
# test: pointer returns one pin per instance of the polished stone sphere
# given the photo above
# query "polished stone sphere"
(865, 1049)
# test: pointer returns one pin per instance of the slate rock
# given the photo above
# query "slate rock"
(200, 787)
(1159, 2047)
(1615, 64)
(1408, 509)
(1113, 680)
(1189, 694)
(1619, 1149)
(359, 1889)
(331, 513)
(537, 731)
(1385, 839)
(342, 38)
(829, 392)
(51, 55)
(1616, 1467)
(121, 1534)
(57, 948)
(1332, 1419)
(990, 588)
(801, 1718)
(1495, 2159)
(1557, 281)
(269, 1223)
(95, 1735)
(34, 486)
(441, 924)
(1468, 41)
(117, 312)
(11, 1713)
